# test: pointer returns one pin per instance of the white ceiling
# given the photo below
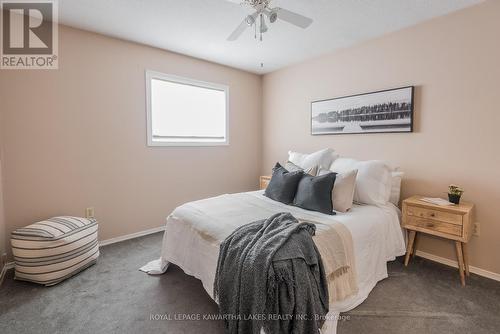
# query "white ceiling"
(199, 28)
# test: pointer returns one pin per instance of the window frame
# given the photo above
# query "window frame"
(150, 75)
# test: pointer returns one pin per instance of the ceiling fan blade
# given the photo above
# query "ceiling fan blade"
(238, 31)
(241, 28)
(293, 18)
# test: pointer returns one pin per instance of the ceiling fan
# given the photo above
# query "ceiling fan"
(263, 10)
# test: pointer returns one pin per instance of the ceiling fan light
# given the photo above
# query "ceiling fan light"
(263, 25)
(250, 20)
(273, 16)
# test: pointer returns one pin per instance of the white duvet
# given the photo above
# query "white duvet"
(375, 230)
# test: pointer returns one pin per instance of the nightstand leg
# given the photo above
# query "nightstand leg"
(460, 258)
(415, 243)
(466, 258)
(409, 247)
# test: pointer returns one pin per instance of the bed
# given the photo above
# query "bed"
(376, 234)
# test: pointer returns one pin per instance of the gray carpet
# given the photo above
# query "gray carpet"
(114, 297)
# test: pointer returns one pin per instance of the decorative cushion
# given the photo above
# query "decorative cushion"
(315, 193)
(52, 250)
(291, 167)
(322, 158)
(283, 184)
(373, 182)
(343, 189)
(396, 178)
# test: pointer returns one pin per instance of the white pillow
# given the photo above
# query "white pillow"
(322, 158)
(373, 182)
(396, 178)
(343, 189)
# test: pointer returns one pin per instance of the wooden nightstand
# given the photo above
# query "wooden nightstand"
(264, 181)
(452, 222)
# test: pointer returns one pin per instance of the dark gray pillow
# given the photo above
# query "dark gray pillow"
(315, 193)
(283, 184)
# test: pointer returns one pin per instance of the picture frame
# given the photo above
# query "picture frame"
(384, 111)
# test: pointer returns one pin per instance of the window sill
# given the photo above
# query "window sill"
(187, 144)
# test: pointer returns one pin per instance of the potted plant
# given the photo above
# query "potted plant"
(454, 193)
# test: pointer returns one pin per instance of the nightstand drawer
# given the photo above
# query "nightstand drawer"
(429, 225)
(446, 217)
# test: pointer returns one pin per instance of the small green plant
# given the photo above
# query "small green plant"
(455, 190)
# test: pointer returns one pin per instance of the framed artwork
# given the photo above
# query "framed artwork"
(378, 112)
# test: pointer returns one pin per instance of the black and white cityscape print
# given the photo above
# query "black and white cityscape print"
(384, 111)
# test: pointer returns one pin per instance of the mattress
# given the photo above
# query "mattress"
(376, 233)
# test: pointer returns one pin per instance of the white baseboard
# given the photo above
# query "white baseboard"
(3, 271)
(131, 236)
(453, 263)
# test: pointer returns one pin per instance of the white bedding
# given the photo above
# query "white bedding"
(375, 230)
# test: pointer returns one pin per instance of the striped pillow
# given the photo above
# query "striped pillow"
(52, 250)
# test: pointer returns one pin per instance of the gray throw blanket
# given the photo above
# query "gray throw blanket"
(269, 274)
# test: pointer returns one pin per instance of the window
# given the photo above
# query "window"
(185, 112)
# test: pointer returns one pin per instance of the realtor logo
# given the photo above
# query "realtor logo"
(29, 34)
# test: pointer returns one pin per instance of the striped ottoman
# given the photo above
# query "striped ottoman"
(52, 250)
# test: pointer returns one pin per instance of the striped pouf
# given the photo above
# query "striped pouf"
(52, 250)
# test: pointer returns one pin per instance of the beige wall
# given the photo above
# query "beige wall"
(3, 238)
(454, 63)
(76, 137)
